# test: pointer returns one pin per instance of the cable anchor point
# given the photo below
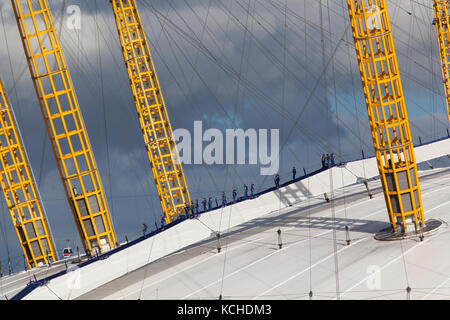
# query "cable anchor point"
(280, 242)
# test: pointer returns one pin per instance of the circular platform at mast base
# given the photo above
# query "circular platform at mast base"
(388, 234)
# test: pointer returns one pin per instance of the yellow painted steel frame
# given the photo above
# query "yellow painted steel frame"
(65, 126)
(442, 22)
(20, 193)
(153, 118)
(387, 112)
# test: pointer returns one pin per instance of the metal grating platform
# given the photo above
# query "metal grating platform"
(387, 234)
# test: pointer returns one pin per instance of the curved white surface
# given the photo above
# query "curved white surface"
(83, 280)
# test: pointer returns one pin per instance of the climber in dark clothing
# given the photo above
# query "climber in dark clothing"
(277, 180)
(224, 200)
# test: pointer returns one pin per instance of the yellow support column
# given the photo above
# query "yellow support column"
(152, 113)
(65, 126)
(387, 112)
(442, 23)
(20, 191)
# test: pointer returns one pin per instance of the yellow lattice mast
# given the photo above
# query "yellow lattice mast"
(387, 112)
(153, 119)
(442, 23)
(65, 126)
(20, 191)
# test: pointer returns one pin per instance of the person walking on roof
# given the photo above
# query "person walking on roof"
(209, 202)
(252, 190)
(277, 180)
(245, 191)
(332, 159)
(217, 204)
(294, 172)
(323, 161)
(224, 200)
(327, 160)
(204, 204)
(144, 229)
(234, 194)
(196, 206)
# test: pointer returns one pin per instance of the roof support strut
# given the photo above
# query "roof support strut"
(388, 119)
(65, 126)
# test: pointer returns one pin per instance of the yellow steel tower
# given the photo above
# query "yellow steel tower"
(153, 119)
(20, 191)
(442, 23)
(64, 124)
(387, 112)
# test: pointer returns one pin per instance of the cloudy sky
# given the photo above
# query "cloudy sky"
(229, 63)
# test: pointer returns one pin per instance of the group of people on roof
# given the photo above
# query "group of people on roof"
(193, 210)
(328, 160)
